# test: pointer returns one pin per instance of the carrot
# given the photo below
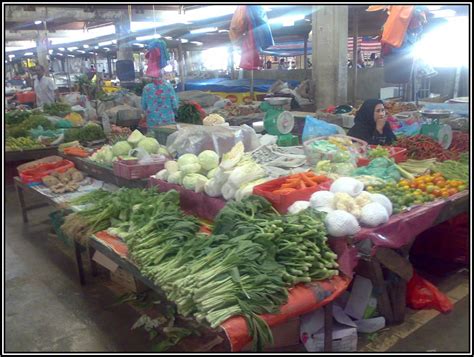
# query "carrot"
(284, 191)
(302, 185)
(307, 180)
(320, 178)
(291, 184)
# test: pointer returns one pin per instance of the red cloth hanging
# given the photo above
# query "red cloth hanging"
(153, 56)
(250, 59)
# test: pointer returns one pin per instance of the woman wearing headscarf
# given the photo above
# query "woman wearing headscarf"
(370, 124)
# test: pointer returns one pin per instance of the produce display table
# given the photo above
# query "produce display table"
(103, 173)
(20, 188)
(388, 245)
(30, 155)
(302, 298)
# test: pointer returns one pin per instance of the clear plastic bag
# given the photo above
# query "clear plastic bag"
(195, 139)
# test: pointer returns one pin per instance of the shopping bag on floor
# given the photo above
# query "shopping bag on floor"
(421, 294)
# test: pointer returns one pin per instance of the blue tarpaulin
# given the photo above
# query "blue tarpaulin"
(232, 86)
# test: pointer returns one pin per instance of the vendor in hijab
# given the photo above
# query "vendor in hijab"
(370, 124)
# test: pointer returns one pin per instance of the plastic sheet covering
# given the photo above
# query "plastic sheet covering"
(197, 138)
(402, 228)
(301, 300)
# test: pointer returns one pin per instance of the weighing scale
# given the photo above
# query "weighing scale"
(431, 126)
(278, 121)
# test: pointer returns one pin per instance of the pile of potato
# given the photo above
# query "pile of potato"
(68, 181)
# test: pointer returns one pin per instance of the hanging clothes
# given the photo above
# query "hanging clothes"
(157, 56)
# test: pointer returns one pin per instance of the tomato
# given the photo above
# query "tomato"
(430, 188)
(452, 191)
(436, 192)
(440, 184)
(422, 186)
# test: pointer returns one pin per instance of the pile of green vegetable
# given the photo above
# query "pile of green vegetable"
(32, 122)
(378, 151)
(380, 167)
(188, 113)
(57, 109)
(21, 143)
(16, 117)
(454, 170)
(89, 132)
(243, 268)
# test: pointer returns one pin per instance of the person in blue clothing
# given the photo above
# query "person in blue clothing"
(159, 102)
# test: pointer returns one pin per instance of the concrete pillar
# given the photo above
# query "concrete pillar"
(124, 46)
(42, 50)
(330, 27)
(181, 66)
(355, 49)
(109, 66)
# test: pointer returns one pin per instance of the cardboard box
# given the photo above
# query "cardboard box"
(119, 275)
(285, 334)
(344, 331)
(127, 280)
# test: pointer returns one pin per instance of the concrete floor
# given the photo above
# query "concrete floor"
(46, 310)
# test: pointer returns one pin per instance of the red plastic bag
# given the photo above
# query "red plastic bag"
(421, 294)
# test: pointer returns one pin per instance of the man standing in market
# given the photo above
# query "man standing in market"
(44, 87)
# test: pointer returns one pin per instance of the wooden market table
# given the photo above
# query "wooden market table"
(386, 248)
(30, 155)
(234, 329)
(21, 188)
(103, 173)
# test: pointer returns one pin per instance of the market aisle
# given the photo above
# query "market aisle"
(46, 308)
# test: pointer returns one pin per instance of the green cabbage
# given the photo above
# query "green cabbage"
(175, 177)
(151, 145)
(212, 173)
(187, 159)
(135, 137)
(121, 148)
(208, 159)
(192, 180)
(190, 168)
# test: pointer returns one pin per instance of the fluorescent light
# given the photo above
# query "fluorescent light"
(80, 51)
(141, 45)
(208, 12)
(11, 56)
(71, 56)
(446, 45)
(28, 53)
(431, 8)
(444, 13)
(197, 43)
(148, 37)
(50, 52)
(85, 46)
(203, 30)
(61, 49)
(106, 48)
(168, 37)
(72, 48)
(59, 54)
(92, 53)
(220, 31)
(286, 20)
(183, 40)
(38, 22)
(114, 41)
(96, 47)
(105, 43)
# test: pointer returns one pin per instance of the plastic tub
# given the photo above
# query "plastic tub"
(397, 153)
(281, 202)
(131, 170)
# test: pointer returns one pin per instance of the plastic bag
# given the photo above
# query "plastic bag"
(315, 128)
(421, 294)
(221, 139)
